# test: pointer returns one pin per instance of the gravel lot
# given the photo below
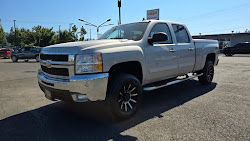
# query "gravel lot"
(186, 111)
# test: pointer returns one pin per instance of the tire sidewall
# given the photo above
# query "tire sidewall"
(117, 84)
(205, 71)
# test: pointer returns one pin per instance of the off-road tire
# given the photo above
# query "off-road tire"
(208, 73)
(124, 88)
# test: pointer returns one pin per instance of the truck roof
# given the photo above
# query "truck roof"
(154, 21)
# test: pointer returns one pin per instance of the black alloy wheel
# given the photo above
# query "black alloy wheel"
(208, 73)
(128, 98)
(124, 95)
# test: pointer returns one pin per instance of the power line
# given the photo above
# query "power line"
(215, 13)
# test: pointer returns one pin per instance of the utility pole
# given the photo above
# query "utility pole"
(119, 6)
(59, 34)
(90, 34)
(15, 31)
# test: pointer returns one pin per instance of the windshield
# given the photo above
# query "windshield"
(133, 31)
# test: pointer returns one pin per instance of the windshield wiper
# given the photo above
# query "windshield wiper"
(116, 38)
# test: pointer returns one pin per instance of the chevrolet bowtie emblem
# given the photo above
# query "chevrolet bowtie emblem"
(48, 64)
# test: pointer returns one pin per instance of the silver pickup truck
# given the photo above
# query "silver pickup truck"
(125, 61)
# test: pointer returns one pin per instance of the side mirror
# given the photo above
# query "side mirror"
(158, 37)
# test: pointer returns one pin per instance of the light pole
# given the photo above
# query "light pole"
(97, 27)
(15, 31)
(119, 6)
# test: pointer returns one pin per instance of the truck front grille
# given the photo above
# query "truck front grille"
(56, 71)
(54, 57)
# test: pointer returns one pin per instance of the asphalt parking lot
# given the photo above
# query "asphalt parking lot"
(185, 111)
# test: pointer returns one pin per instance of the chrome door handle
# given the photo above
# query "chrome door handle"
(172, 50)
(190, 48)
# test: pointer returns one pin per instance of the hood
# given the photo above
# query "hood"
(86, 46)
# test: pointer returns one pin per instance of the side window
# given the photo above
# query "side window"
(181, 33)
(27, 48)
(161, 27)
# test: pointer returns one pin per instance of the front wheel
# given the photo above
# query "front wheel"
(208, 73)
(124, 95)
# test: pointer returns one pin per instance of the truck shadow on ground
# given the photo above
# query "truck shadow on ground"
(93, 120)
(238, 55)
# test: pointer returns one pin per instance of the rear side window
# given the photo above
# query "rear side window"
(36, 49)
(181, 33)
(161, 27)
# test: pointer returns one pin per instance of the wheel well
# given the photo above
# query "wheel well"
(132, 67)
(211, 57)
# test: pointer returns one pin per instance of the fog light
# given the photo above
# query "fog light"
(79, 97)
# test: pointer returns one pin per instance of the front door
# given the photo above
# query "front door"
(161, 58)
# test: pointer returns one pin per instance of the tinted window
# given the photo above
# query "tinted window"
(242, 45)
(27, 48)
(161, 27)
(36, 49)
(181, 33)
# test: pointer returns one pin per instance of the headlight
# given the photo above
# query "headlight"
(88, 63)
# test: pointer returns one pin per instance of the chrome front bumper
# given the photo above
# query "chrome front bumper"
(81, 88)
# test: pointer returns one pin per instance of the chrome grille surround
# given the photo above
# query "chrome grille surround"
(60, 64)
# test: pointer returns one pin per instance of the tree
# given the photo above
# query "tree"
(11, 37)
(27, 37)
(2, 35)
(83, 32)
(42, 35)
(74, 30)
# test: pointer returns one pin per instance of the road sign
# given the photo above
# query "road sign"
(153, 14)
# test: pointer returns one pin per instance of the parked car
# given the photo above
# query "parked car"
(125, 61)
(26, 53)
(240, 48)
(4, 52)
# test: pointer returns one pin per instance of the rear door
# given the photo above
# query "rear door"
(161, 58)
(185, 47)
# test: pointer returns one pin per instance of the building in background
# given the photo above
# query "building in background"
(227, 40)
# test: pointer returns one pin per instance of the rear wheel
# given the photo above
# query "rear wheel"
(14, 59)
(208, 73)
(124, 95)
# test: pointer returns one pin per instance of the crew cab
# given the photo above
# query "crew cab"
(125, 61)
(26, 53)
(240, 48)
(5, 52)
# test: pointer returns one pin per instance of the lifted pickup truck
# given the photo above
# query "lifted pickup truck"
(125, 61)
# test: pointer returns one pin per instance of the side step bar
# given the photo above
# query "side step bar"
(171, 83)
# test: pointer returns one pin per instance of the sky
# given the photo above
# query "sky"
(200, 16)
